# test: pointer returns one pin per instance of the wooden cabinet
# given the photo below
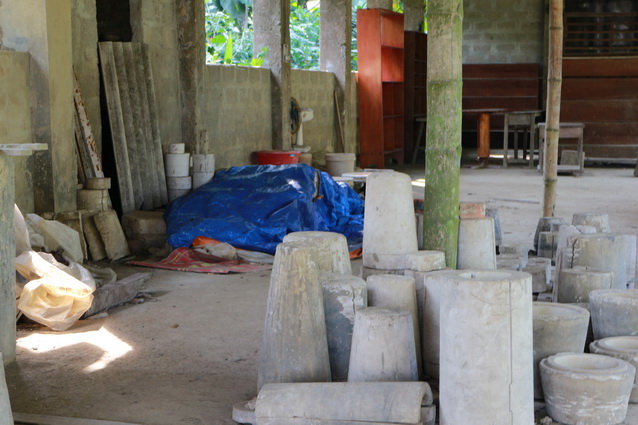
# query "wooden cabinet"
(380, 41)
(415, 85)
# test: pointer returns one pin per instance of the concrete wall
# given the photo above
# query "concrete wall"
(155, 23)
(315, 90)
(503, 31)
(15, 119)
(236, 112)
(43, 28)
(85, 62)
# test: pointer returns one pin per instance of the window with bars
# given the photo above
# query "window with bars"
(600, 28)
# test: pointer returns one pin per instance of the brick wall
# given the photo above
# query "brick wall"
(503, 31)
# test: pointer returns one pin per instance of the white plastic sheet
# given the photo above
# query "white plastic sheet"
(57, 235)
(56, 295)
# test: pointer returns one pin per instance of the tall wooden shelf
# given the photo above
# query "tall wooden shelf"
(416, 69)
(380, 42)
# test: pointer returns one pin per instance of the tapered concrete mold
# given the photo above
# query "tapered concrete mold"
(342, 403)
(586, 389)
(598, 220)
(398, 292)
(343, 295)
(614, 312)
(294, 347)
(477, 249)
(6, 417)
(331, 250)
(621, 347)
(558, 328)
(486, 374)
(603, 251)
(576, 284)
(382, 346)
(389, 229)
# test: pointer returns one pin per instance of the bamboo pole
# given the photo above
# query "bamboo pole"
(554, 83)
(443, 148)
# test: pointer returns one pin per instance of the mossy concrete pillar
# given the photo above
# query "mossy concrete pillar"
(43, 28)
(271, 27)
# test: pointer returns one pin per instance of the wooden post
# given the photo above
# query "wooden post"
(443, 150)
(483, 126)
(554, 82)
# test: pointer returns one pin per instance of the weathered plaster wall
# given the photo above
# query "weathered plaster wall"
(315, 90)
(155, 23)
(85, 62)
(15, 119)
(236, 112)
(503, 31)
(43, 28)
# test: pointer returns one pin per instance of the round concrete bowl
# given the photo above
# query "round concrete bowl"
(586, 389)
(621, 347)
(558, 328)
(614, 312)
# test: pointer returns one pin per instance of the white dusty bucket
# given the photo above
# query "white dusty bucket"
(203, 163)
(176, 148)
(340, 163)
(200, 179)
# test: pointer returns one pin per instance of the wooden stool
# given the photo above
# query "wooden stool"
(520, 120)
(567, 130)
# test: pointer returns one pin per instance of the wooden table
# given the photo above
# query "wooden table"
(483, 130)
(567, 130)
(516, 120)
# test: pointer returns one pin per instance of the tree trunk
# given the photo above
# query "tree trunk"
(554, 82)
(443, 147)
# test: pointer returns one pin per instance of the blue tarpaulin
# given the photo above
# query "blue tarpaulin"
(254, 207)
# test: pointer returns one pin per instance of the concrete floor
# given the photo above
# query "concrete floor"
(190, 351)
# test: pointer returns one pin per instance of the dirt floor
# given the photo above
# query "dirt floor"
(189, 351)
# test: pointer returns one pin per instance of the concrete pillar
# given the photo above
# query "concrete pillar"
(335, 47)
(545, 225)
(294, 346)
(85, 62)
(7, 262)
(558, 328)
(191, 33)
(486, 349)
(382, 346)
(380, 4)
(271, 28)
(6, 418)
(389, 229)
(43, 28)
(343, 295)
(413, 15)
(155, 24)
(331, 250)
(394, 291)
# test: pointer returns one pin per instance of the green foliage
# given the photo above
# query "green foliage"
(304, 36)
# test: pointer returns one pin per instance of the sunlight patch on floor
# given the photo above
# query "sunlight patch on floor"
(113, 347)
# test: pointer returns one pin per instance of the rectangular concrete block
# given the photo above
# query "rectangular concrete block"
(112, 235)
(116, 293)
(93, 238)
(143, 223)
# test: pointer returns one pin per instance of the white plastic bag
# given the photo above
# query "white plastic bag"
(22, 234)
(57, 235)
(56, 295)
